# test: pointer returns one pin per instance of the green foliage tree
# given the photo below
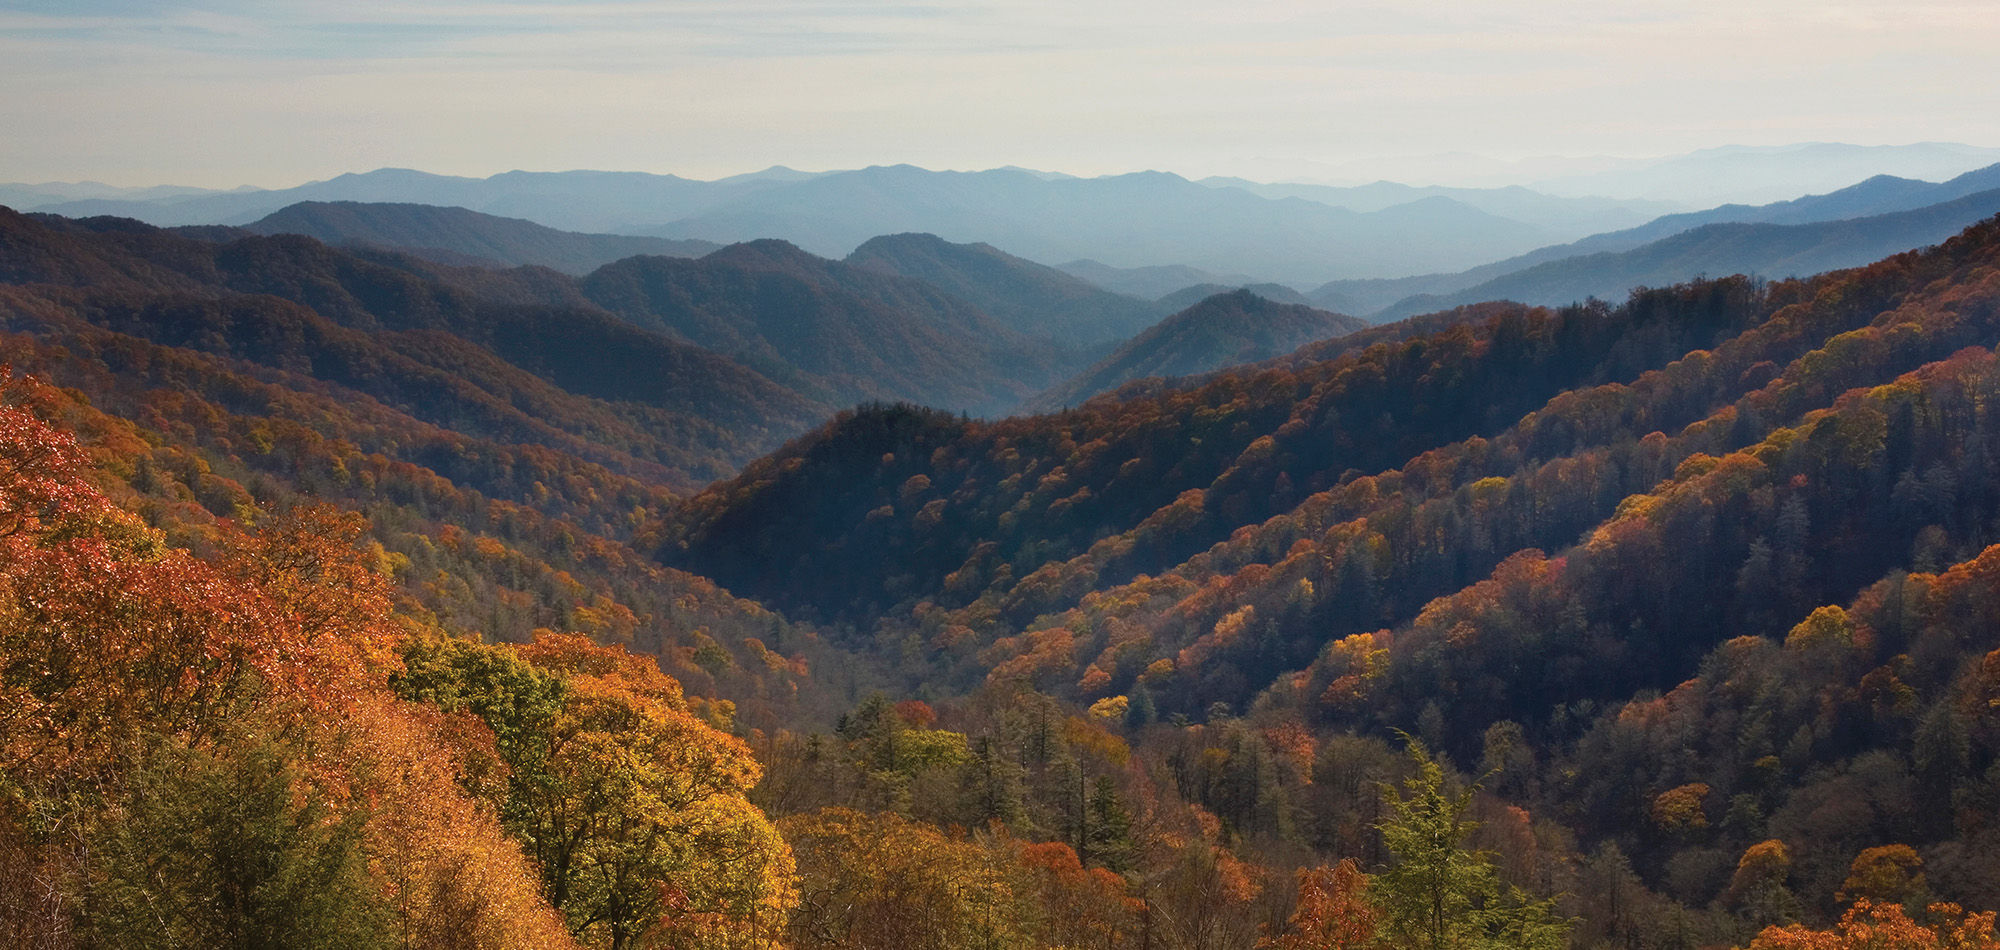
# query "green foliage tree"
(230, 849)
(1437, 895)
(1110, 829)
(632, 807)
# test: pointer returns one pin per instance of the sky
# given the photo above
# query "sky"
(272, 93)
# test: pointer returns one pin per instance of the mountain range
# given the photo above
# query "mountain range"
(459, 236)
(1685, 600)
(1903, 213)
(1132, 220)
(1696, 578)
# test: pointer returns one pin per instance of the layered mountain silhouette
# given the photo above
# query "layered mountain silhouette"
(1150, 282)
(1187, 297)
(1124, 220)
(716, 358)
(1876, 198)
(1736, 173)
(459, 236)
(842, 333)
(1559, 215)
(1224, 330)
(1766, 250)
(1133, 220)
(1030, 298)
(385, 328)
(589, 201)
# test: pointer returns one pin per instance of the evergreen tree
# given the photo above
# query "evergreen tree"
(218, 849)
(1110, 829)
(1435, 894)
(990, 785)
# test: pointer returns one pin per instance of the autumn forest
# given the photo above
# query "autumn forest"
(352, 597)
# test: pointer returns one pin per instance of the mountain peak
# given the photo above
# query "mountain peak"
(767, 252)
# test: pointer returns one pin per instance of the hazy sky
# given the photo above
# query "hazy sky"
(275, 92)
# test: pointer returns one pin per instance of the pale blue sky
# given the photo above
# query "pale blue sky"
(275, 92)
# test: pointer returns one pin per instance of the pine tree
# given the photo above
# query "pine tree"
(216, 849)
(1435, 894)
(1110, 834)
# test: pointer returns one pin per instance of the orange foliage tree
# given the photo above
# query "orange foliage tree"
(1871, 926)
(632, 806)
(1332, 912)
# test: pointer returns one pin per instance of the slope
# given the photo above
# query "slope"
(1027, 297)
(452, 235)
(1879, 195)
(1151, 282)
(1766, 249)
(503, 495)
(1012, 521)
(683, 407)
(1224, 330)
(1188, 296)
(1717, 598)
(843, 333)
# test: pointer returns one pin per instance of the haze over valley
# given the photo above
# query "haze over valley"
(1265, 477)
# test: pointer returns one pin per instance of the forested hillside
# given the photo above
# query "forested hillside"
(1029, 298)
(842, 333)
(458, 236)
(1692, 581)
(1224, 329)
(247, 742)
(1669, 623)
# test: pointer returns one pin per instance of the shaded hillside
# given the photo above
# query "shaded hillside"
(1187, 297)
(1700, 581)
(844, 334)
(1170, 473)
(1008, 522)
(1224, 330)
(1149, 282)
(581, 350)
(456, 235)
(513, 460)
(1773, 250)
(1880, 195)
(1026, 297)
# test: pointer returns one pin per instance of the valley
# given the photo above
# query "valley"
(761, 572)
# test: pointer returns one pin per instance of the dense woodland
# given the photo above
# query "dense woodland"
(349, 601)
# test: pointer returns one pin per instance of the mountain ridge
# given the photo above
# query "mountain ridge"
(1220, 331)
(453, 235)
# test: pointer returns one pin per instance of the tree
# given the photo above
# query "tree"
(1110, 829)
(1870, 926)
(1435, 894)
(633, 807)
(1757, 890)
(1332, 912)
(883, 881)
(1892, 873)
(230, 849)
